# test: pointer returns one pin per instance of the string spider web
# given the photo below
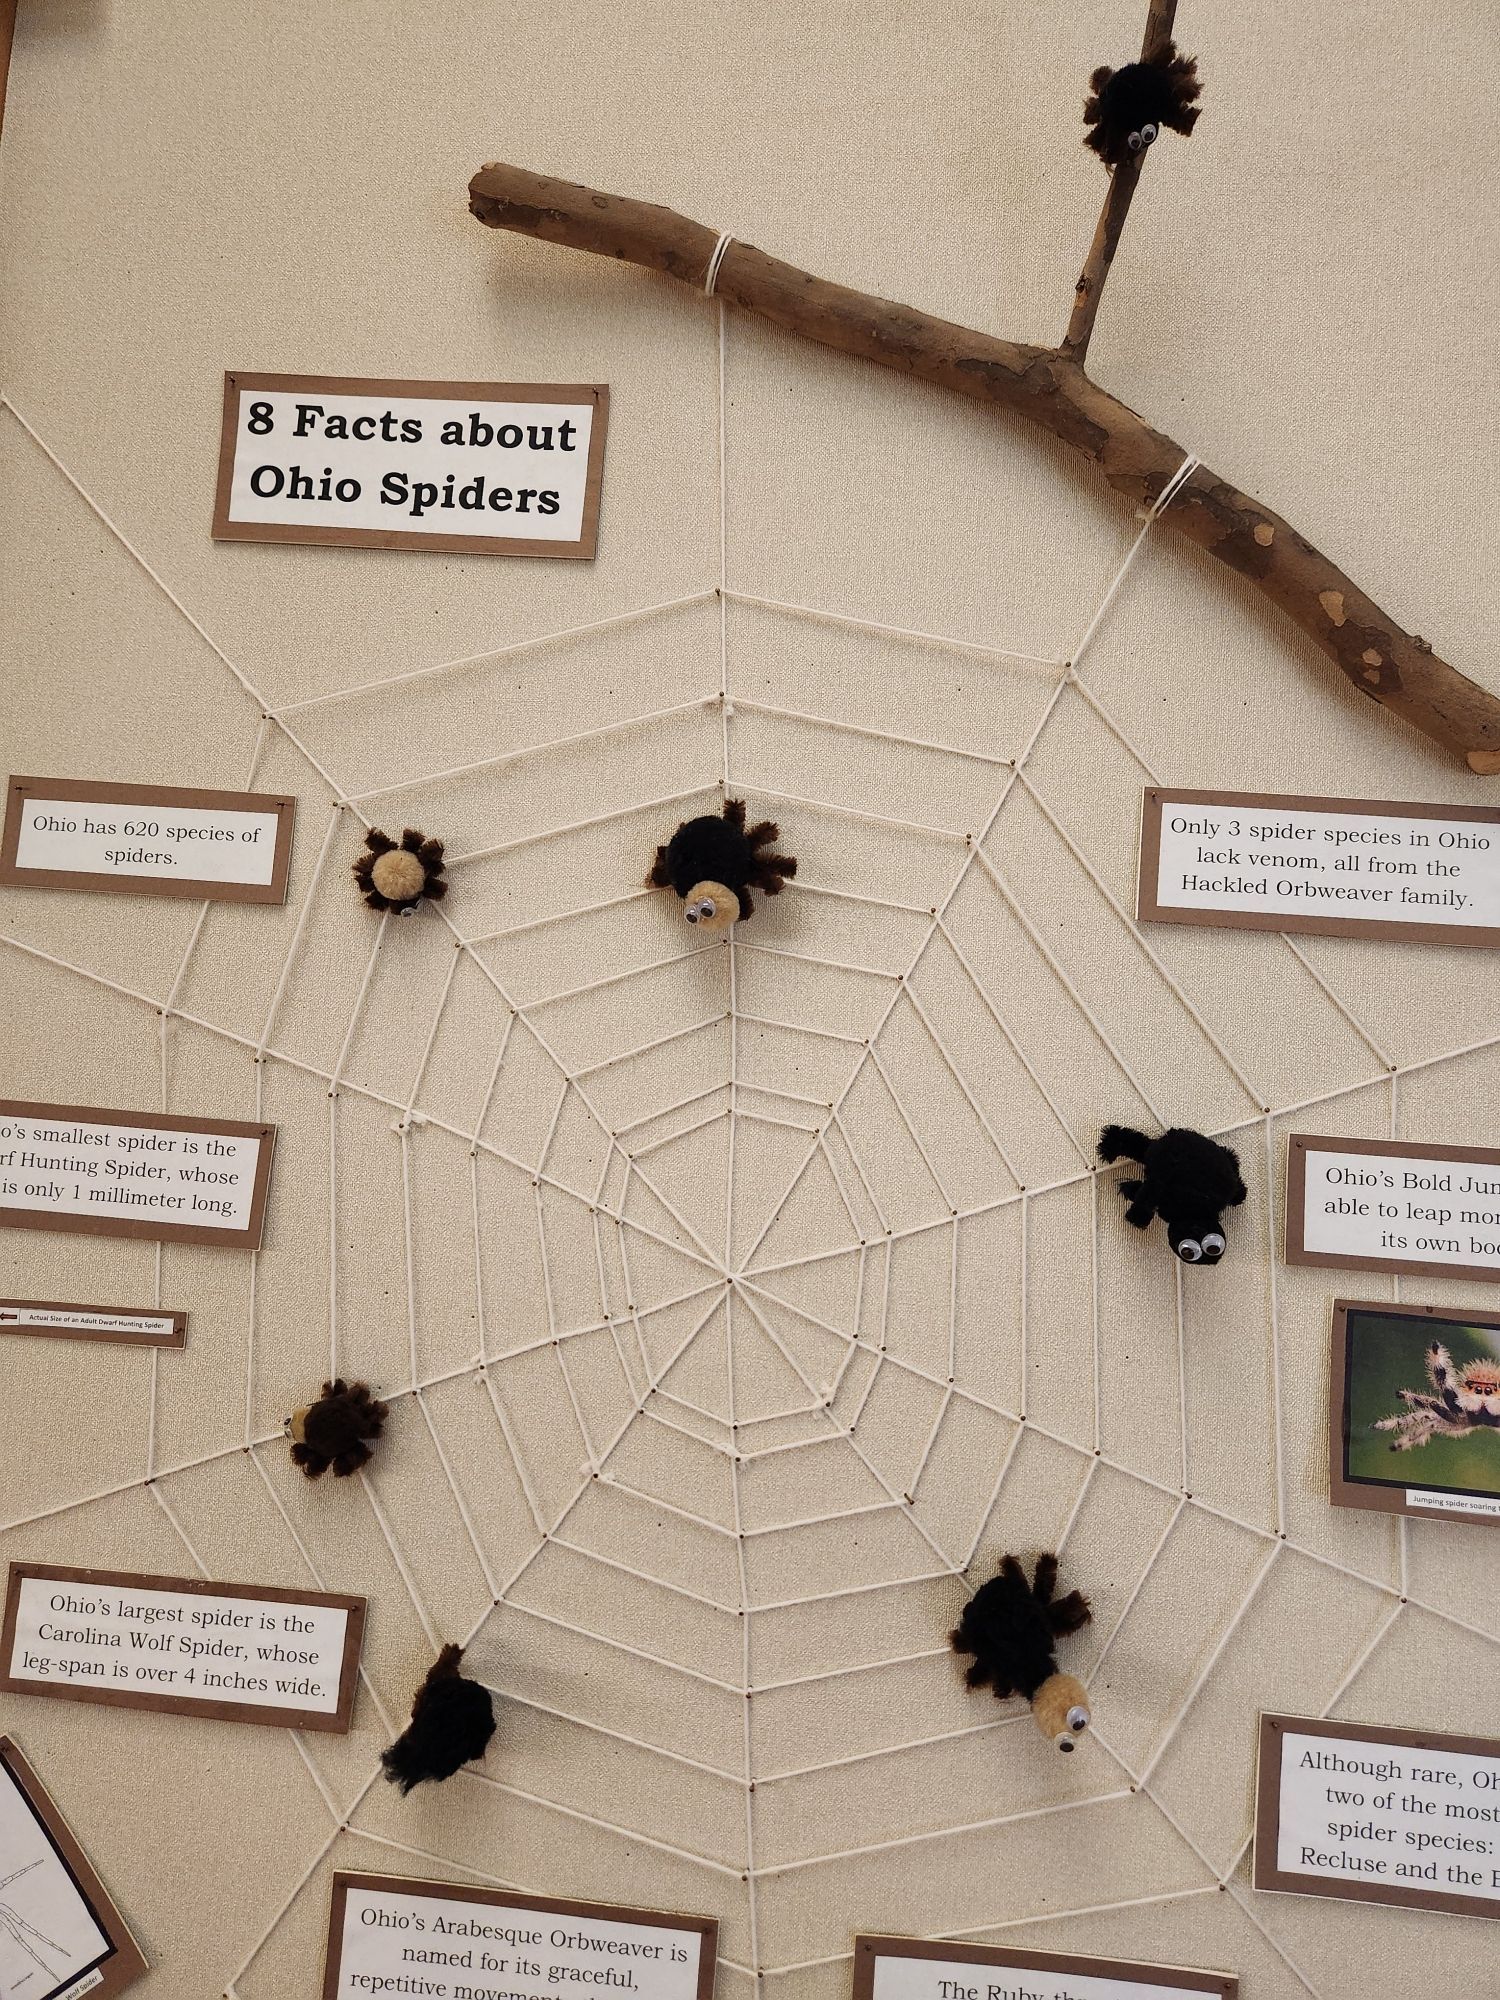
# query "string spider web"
(751, 1297)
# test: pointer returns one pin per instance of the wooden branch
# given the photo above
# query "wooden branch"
(1160, 16)
(1040, 383)
(1090, 287)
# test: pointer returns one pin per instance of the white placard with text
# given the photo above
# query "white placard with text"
(494, 468)
(147, 840)
(462, 1943)
(890, 1968)
(133, 1173)
(1393, 1205)
(1378, 1815)
(243, 1651)
(1351, 867)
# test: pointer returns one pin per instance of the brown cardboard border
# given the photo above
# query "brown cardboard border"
(868, 1946)
(1268, 1815)
(1300, 1144)
(1346, 1492)
(583, 550)
(142, 1227)
(99, 792)
(463, 1892)
(128, 1962)
(1150, 911)
(176, 1338)
(7, 35)
(336, 1724)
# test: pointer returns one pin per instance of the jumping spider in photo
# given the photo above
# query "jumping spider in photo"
(1464, 1400)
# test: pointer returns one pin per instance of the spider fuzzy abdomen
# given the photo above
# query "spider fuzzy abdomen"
(398, 875)
(1138, 94)
(1127, 108)
(1183, 1161)
(710, 849)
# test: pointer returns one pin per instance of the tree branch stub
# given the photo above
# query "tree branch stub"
(1123, 179)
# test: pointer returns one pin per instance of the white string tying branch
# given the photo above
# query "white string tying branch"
(711, 276)
(1173, 487)
(739, 1285)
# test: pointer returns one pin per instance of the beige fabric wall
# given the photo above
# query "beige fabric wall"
(1306, 298)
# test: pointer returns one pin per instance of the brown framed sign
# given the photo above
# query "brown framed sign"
(67, 1937)
(130, 1326)
(1393, 1205)
(134, 1173)
(902, 1968)
(381, 1927)
(1373, 1815)
(1414, 1410)
(147, 840)
(238, 1652)
(482, 468)
(1269, 861)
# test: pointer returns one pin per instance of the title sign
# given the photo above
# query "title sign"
(1334, 867)
(134, 1173)
(1378, 1815)
(484, 468)
(388, 1934)
(1393, 1205)
(67, 1937)
(241, 1652)
(147, 840)
(896, 1968)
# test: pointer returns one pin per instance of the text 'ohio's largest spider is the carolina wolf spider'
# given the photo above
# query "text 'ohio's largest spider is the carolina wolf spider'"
(1464, 1400)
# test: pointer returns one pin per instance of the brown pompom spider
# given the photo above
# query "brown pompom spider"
(398, 875)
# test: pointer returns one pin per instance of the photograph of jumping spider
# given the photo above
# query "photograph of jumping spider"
(1415, 1410)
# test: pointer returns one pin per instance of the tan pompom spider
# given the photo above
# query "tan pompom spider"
(1464, 1400)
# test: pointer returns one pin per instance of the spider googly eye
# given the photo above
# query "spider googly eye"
(1135, 141)
(1148, 133)
(1065, 1743)
(1190, 1250)
(1078, 1718)
(1213, 1246)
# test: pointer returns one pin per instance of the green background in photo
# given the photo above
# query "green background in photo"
(1387, 1355)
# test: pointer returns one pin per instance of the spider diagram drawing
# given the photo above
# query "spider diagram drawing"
(22, 1932)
